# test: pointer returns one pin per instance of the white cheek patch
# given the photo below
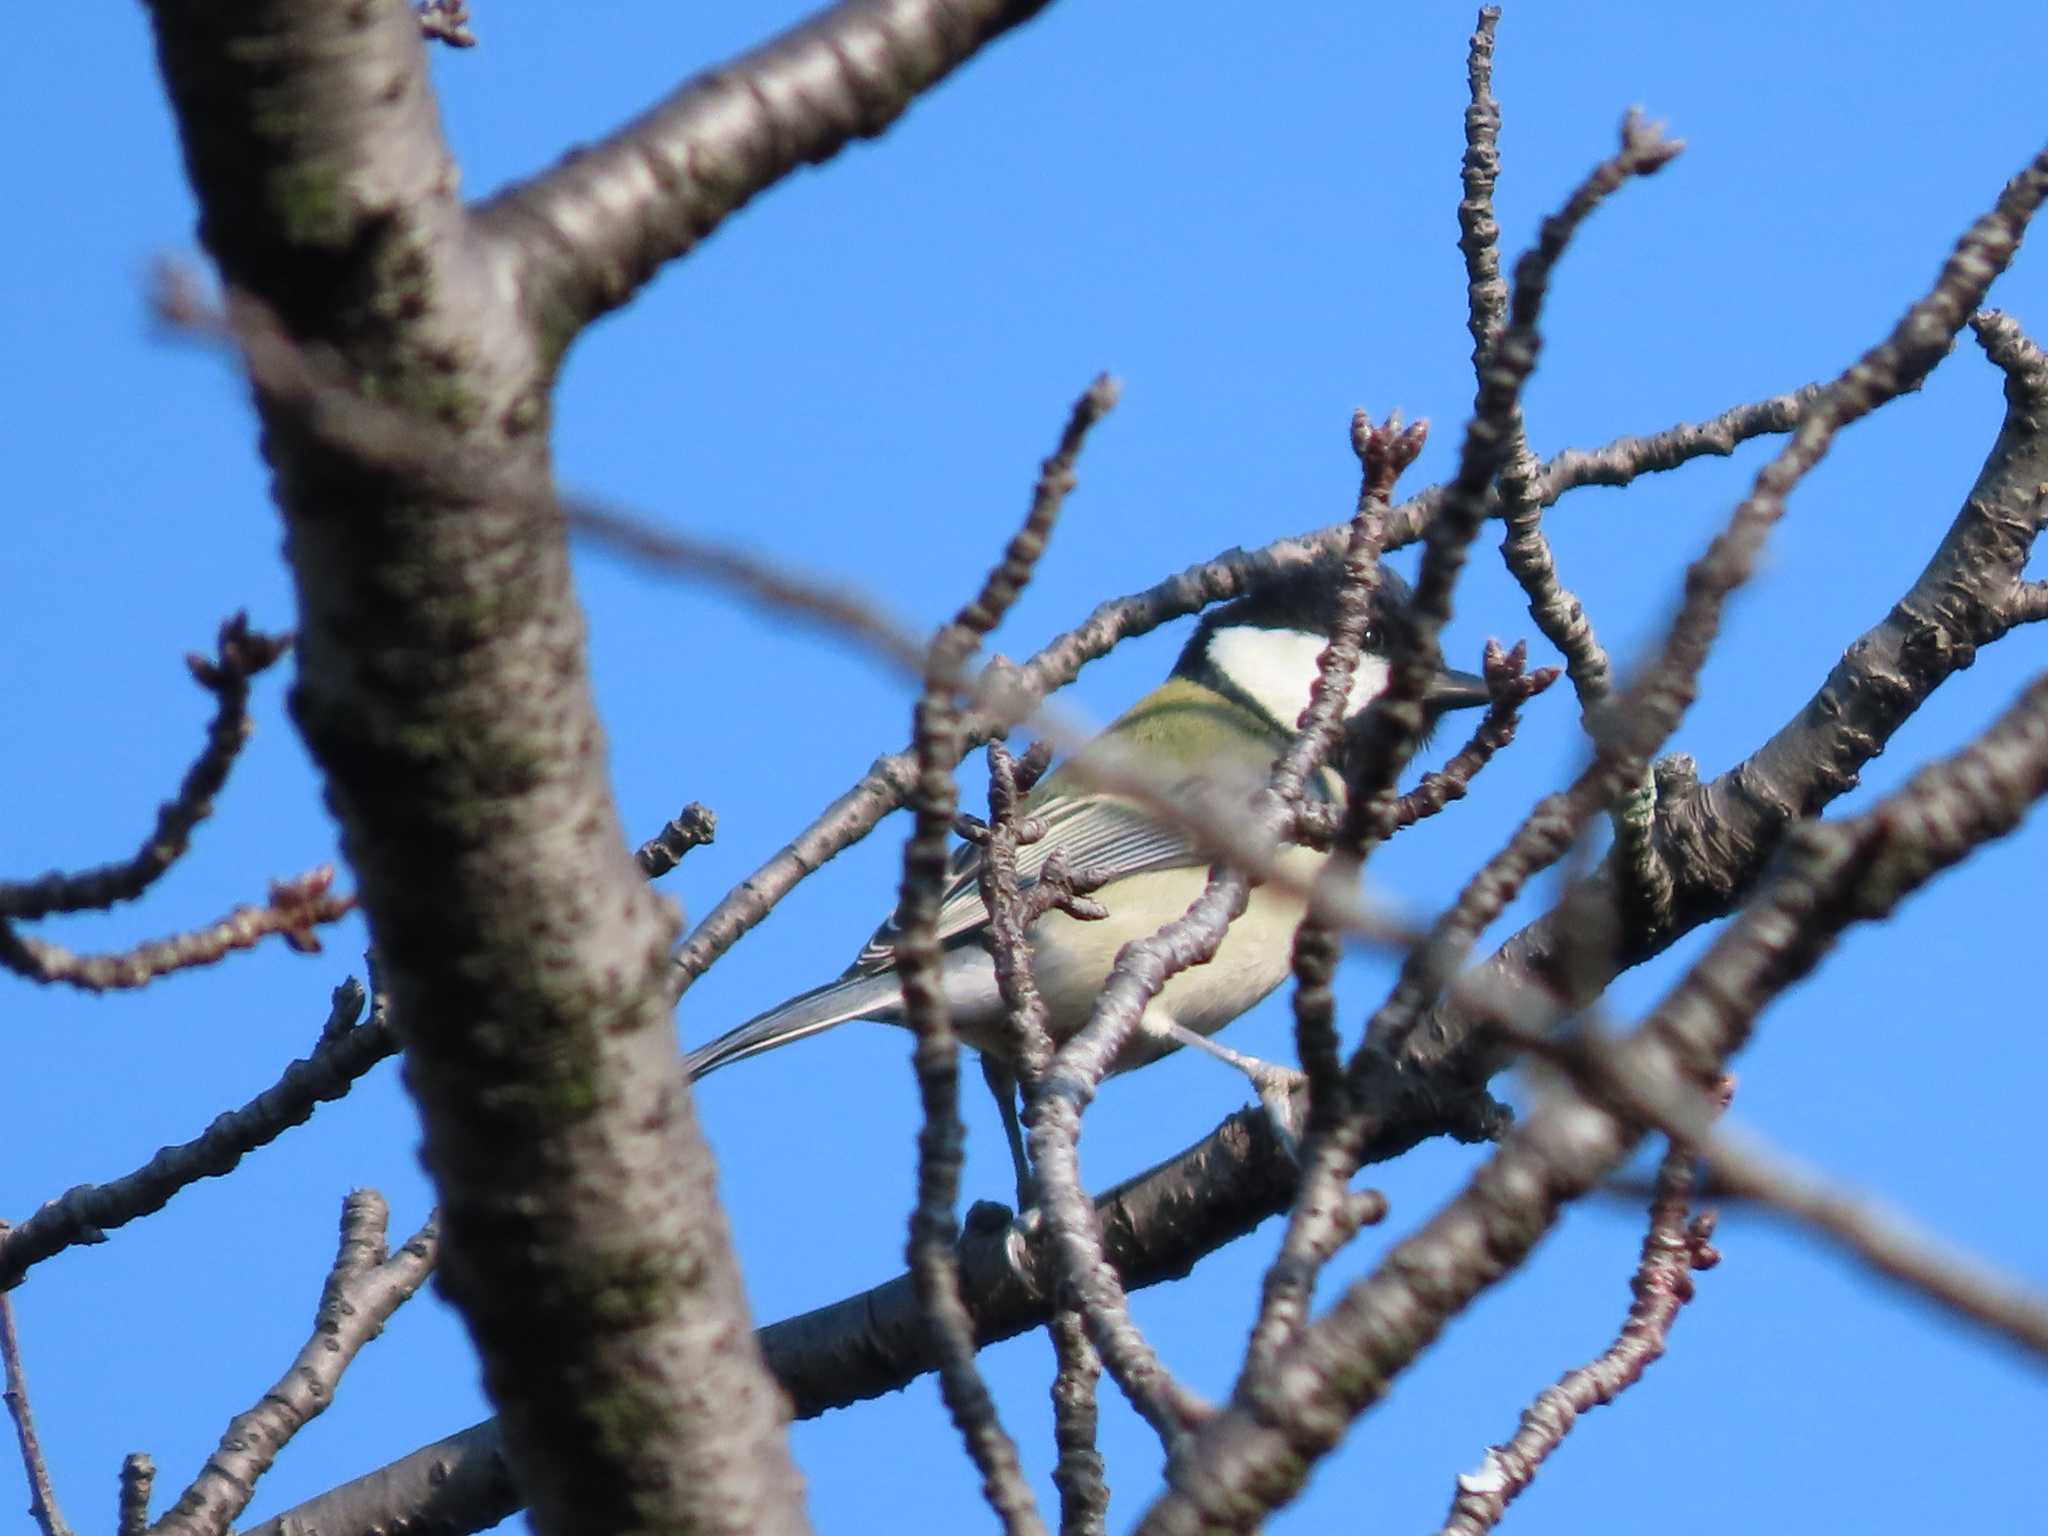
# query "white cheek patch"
(1367, 683)
(1277, 667)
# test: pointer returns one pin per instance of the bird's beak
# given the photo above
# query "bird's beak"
(1452, 689)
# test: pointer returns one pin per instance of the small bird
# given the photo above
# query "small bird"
(1218, 722)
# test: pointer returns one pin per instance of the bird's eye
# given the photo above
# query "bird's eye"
(1370, 640)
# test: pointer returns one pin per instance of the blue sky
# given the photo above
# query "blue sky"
(1250, 219)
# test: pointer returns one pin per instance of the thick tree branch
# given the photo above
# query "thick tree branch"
(592, 231)
(443, 691)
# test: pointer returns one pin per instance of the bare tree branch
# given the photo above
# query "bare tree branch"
(882, 788)
(691, 827)
(297, 909)
(1718, 838)
(138, 1477)
(821, 602)
(446, 21)
(1557, 612)
(1237, 1467)
(1512, 688)
(241, 653)
(1627, 458)
(1486, 293)
(1394, 723)
(935, 802)
(444, 694)
(1674, 1247)
(593, 230)
(1745, 1171)
(462, 1483)
(364, 1287)
(1155, 1227)
(1161, 1223)
(1384, 453)
(511, 399)
(85, 1214)
(1955, 1284)
(1142, 968)
(42, 1495)
(1255, 1452)
(1078, 1474)
(1213, 821)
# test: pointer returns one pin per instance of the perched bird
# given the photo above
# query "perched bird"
(1220, 720)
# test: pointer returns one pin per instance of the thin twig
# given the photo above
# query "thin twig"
(138, 1477)
(445, 21)
(1214, 823)
(691, 827)
(1955, 1284)
(1556, 610)
(1383, 453)
(87, 1213)
(1741, 1169)
(1011, 911)
(1486, 293)
(1255, 1453)
(1393, 724)
(1143, 968)
(1675, 1246)
(1078, 1474)
(364, 1287)
(297, 909)
(1511, 688)
(1075, 1241)
(815, 600)
(42, 1494)
(920, 962)
(240, 653)
(1651, 708)
(1084, 1494)
(1722, 834)
(881, 790)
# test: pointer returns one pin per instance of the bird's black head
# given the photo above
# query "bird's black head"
(1262, 649)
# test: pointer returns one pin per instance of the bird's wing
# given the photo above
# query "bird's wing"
(1099, 834)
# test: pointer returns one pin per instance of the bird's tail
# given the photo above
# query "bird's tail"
(836, 1002)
